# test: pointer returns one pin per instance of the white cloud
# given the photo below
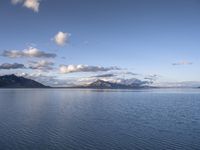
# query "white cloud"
(61, 38)
(182, 63)
(84, 68)
(30, 52)
(30, 4)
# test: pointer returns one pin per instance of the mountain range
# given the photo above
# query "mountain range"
(13, 81)
(100, 84)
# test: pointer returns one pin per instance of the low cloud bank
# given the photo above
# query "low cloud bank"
(9, 66)
(29, 52)
(84, 68)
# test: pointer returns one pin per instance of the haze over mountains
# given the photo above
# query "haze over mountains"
(13, 81)
(100, 84)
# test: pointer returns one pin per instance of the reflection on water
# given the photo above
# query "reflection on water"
(63, 119)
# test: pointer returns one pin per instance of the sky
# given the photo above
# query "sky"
(72, 42)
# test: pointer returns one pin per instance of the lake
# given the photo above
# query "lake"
(75, 119)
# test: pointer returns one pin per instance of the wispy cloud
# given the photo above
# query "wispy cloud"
(41, 65)
(153, 77)
(61, 38)
(130, 73)
(132, 81)
(84, 68)
(30, 4)
(182, 63)
(16, 1)
(30, 52)
(12, 66)
(115, 74)
(105, 75)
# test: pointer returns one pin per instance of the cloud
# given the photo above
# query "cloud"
(41, 65)
(153, 77)
(133, 81)
(16, 1)
(54, 80)
(118, 74)
(182, 63)
(61, 38)
(84, 68)
(130, 73)
(105, 75)
(30, 52)
(30, 4)
(11, 66)
(48, 79)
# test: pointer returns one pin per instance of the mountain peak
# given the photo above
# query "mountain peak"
(100, 84)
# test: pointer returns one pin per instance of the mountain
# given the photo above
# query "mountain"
(100, 84)
(13, 81)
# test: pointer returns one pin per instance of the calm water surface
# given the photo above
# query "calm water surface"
(60, 119)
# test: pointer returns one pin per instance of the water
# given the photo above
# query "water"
(60, 119)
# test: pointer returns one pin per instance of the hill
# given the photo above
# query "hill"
(13, 81)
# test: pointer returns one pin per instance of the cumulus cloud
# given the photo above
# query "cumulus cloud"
(41, 65)
(182, 63)
(12, 66)
(30, 52)
(30, 4)
(61, 38)
(84, 68)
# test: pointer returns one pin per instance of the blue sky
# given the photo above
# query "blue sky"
(150, 38)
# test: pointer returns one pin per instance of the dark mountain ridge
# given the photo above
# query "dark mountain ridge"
(13, 81)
